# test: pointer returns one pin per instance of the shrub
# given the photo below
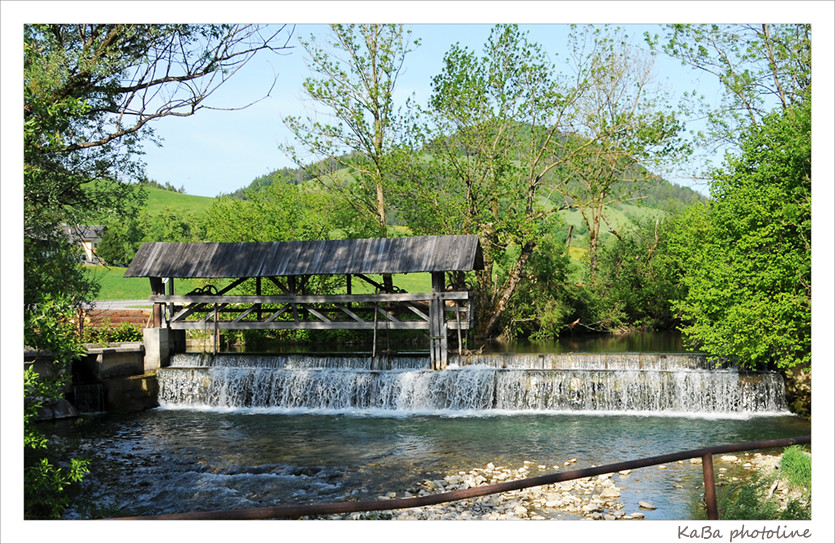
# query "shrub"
(796, 467)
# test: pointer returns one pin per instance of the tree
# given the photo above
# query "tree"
(90, 92)
(492, 119)
(746, 256)
(512, 142)
(638, 277)
(356, 74)
(760, 67)
(277, 212)
(623, 129)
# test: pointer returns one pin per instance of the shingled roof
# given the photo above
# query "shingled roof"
(319, 257)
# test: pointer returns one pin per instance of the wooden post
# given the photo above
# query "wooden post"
(216, 333)
(458, 322)
(171, 294)
(157, 288)
(374, 339)
(291, 287)
(258, 293)
(437, 324)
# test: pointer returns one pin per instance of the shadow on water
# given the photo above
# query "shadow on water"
(647, 342)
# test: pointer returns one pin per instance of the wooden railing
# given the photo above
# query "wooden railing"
(296, 511)
(360, 311)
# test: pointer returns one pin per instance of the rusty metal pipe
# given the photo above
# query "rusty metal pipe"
(296, 511)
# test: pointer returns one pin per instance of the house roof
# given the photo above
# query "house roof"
(83, 233)
(319, 257)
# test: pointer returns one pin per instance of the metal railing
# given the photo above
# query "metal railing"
(296, 511)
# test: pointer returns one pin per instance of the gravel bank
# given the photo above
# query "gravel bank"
(593, 498)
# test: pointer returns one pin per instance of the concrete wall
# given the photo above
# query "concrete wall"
(112, 362)
(159, 344)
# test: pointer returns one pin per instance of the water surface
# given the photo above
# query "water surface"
(166, 461)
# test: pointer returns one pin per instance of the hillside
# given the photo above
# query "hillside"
(159, 199)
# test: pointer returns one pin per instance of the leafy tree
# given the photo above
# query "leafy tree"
(120, 242)
(760, 67)
(746, 256)
(621, 127)
(90, 92)
(638, 278)
(491, 118)
(356, 72)
(512, 142)
(278, 212)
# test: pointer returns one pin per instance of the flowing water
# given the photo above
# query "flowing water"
(242, 431)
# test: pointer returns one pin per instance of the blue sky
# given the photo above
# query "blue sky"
(216, 152)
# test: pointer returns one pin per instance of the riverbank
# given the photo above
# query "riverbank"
(593, 498)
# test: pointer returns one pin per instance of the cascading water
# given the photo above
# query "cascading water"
(656, 383)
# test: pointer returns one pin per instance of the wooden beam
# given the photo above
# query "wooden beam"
(281, 325)
(310, 299)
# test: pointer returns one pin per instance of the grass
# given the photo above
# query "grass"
(114, 286)
(796, 466)
(159, 199)
(749, 499)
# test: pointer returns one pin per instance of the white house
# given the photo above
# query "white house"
(88, 238)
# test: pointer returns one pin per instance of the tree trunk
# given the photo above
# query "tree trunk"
(507, 290)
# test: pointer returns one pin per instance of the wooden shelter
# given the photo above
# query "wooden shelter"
(289, 266)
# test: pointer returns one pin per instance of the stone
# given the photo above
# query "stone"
(636, 515)
(646, 505)
(610, 493)
(729, 458)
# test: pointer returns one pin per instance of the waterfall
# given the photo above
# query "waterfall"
(654, 383)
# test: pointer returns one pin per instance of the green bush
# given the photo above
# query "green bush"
(796, 467)
(47, 327)
(748, 499)
(108, 334)
(744, 500)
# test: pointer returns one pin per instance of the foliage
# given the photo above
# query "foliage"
(746, 257)
(108, 334)
(621, 126)
(760, 67)
(796, 466)
(541, 306)
(506, 133)
(638, 278)
(89, 93)
(752, 499)
(47, 328)
(356, 72)
(744, 500)
(51, 268)
(277, 212)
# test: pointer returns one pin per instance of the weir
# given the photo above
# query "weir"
(669, 383)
